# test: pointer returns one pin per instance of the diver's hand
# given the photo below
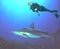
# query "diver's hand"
(35, 9)
(38, 14)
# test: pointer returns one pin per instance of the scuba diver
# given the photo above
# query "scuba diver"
(36, 8)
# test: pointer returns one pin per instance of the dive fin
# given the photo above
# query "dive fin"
(56, 15)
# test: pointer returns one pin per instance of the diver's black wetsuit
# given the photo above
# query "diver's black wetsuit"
(39, 8)
(42, 9)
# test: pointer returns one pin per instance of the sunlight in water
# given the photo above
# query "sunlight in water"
(18, 6)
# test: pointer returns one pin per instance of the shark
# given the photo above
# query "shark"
(31, 32)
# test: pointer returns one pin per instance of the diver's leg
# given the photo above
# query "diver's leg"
(43, 9)
(54, 12)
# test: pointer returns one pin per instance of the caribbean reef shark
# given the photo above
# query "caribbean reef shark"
(31, 32)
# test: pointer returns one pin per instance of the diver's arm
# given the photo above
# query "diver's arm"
(35, 9)
(38, 13)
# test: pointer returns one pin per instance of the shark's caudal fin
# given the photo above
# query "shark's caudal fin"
(32, 26)
(55, 34)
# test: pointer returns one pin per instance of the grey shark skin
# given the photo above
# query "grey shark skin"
(33, 31)
(24, 32)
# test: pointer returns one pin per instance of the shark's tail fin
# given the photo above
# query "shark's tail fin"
(54, 35)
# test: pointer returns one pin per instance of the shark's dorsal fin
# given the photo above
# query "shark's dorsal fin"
(32, 26)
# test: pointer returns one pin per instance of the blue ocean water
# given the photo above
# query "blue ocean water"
(16, 14)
